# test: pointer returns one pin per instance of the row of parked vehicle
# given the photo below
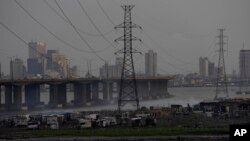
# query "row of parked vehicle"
(95, 120)
(35, 121)
(79, 121)
(56, 121)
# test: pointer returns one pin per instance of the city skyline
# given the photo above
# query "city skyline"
(180, 32)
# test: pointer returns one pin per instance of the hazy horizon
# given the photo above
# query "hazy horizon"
(183, 29)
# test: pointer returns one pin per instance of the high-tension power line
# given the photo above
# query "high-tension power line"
(27, 44)
(105, 13)
(65, 20)
(169, 54)
(167, 62)
(93, 23)
(21, 39)
(78, 33)
(54, 35)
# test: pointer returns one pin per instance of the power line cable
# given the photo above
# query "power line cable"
(163, 59)
(54, 35)
(105, 13)
(26, 43)
(64, 19)
(158, 46)
(82, 38)
(93, 23)
(97, 68)
(21, 39)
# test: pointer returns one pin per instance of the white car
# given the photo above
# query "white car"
(33, 125)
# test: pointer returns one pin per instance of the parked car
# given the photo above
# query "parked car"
(54, 125)
(33, 125)
(52, 122)
(84, 123)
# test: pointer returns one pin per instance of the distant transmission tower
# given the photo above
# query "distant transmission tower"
(128, 87)
(221, 83)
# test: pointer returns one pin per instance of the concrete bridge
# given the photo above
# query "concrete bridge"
(85, 90)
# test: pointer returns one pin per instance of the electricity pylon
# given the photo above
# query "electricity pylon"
(128, 88)
(221, 83)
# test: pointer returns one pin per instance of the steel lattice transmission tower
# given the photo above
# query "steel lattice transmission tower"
(221, 83)
(128, 87)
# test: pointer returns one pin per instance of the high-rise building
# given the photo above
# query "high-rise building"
(17, 69)
(244, 63)
(35, 67)
(207, 69)
(60, 64)
(108, 71)
(73, 72)
(203, 66)
(112, 71)
(51, 58)
(211, 70)
(57, 64)
(37, 52)
(37, 49)
(151, 63)
(118, 65)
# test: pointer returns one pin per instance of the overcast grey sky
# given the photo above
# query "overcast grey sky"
(183, 29)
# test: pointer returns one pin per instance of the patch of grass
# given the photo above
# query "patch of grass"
(115, 132)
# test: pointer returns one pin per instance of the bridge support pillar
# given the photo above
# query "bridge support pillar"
(8, 96)
(160, 84)
(58, 95)
(32, 95)
(17, 97)
(0, 95)
(82, 94)
(143, 89)
(116, 90)
(62, 95)
(158, 88)
(165, 88)
(107, 91)
(155, 88)
(87, 88)
(150, 89)
(94, 91)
